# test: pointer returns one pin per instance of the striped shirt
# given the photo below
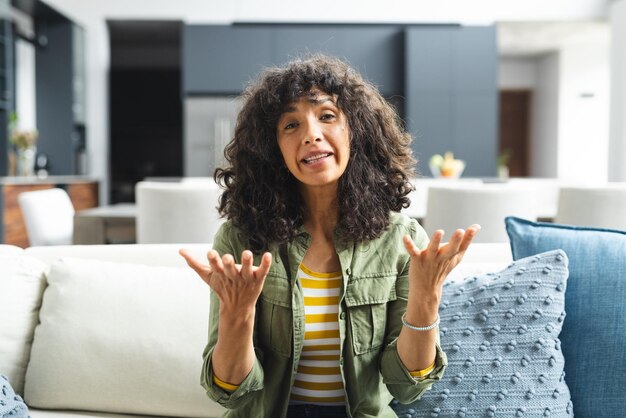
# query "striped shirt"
(318, 380)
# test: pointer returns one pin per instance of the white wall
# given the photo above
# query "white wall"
(405, 11)
(545, 117)
(92, 15)
(25, 85)
(617, 147)
(25, 73)
(517, 73)
(583, 137)
(569, 108)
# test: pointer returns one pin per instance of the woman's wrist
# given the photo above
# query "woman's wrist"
(424, 299)
(422, 311)
(236, 317)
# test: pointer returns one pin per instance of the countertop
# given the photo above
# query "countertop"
(20, 180)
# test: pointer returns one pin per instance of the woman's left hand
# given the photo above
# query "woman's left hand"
(430, 267)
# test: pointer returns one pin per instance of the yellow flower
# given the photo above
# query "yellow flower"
(24, 138)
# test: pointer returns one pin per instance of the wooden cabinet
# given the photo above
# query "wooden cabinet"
(83, 193)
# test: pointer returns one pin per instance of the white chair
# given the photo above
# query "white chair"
(451, 208)
(177, 212)
(596, 206)
(546, 192)
(48, 216)
(419, 195)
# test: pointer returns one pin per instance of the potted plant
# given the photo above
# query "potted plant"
(25, 143)
(503, 164)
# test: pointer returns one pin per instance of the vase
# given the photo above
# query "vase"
(25, 161)
(503, 172)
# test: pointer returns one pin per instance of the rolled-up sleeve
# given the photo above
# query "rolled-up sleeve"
(402, 386)
(246, 390)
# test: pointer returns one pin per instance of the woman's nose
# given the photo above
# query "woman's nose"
(313, 133)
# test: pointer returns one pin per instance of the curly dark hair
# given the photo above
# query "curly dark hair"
(261, 197)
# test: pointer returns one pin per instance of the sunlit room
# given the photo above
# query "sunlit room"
(445, 180)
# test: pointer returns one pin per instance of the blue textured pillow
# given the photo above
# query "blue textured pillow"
(500, 332)
(594, 333)
(11, 404)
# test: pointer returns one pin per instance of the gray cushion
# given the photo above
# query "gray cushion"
(501, 334)
(11, 404)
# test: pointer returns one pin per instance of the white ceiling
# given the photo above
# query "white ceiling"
(536, 38)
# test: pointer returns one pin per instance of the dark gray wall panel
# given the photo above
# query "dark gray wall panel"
(378, 54)
(290, 42)
(55, 97)
(375, 51)
(475, 133)
(432, 131)
(429, 58)
(222, 59)
(7, 88)
(451, 88)
(476, 59)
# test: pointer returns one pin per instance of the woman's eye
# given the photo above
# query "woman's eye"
(290, 125)
(327, 116)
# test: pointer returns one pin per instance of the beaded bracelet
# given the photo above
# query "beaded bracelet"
(414, 328)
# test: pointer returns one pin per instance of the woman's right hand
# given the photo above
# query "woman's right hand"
(236, 285)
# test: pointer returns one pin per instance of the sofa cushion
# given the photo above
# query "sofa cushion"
(22, 280)
(6, 249)
(501, 334)
(123, 338)
(594, 333)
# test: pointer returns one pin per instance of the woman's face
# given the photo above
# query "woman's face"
(314, 139)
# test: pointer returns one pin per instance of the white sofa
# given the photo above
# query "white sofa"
(110, 331)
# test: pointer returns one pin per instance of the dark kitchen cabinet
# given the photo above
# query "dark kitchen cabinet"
(221, 59)
(373, 50)
(452, 94)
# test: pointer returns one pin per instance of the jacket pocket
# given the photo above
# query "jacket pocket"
(366, 299)
(274, 316)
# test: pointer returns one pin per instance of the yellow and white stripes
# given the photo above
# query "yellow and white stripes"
(318, 380)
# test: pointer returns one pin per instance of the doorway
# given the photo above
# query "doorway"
(145, 108)
(514, 130)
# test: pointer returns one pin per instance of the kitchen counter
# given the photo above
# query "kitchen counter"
(20, 180)
(83, 192)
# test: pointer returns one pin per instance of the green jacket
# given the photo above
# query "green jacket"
(373, 299)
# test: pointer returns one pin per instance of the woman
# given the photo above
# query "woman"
(324, 298)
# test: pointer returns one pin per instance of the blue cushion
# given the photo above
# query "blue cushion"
(594, 333)
(11, 404)
(500, 332)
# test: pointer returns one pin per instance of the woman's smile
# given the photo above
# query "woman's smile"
(316, 158)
